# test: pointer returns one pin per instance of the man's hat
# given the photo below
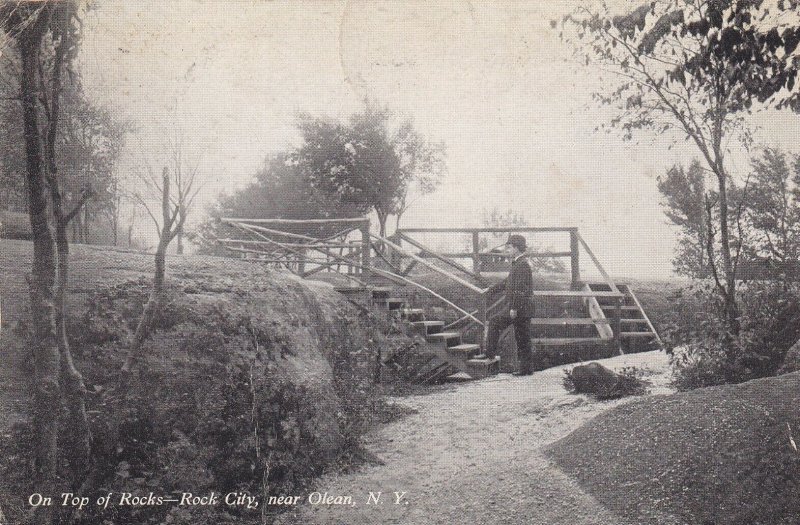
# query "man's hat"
(517, 241)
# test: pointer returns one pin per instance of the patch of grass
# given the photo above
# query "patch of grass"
(718, 455)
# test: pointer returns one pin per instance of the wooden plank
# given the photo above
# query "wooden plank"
(350, 220)
(644, 314)
(575, 266)
(570, 293)
(638, 334)
(408, 269)
(399, 278)
(489, 230)
(261, 229)
(597, 263)
(475, 251)
(555, 341)
(468, 255)
(627, 308)
(599, 317)
(557, 321)
(433, 254)
(429, 265)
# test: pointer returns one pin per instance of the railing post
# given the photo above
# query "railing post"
(395, 258)
(301, 264)
(617, 324)
(366, 253)
(475, 253)
(574, 258)
(483, 315)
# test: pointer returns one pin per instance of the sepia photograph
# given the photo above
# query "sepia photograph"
(366, 262)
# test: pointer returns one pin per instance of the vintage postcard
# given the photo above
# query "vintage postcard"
(408, 262)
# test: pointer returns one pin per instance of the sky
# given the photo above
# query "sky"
(490, 79)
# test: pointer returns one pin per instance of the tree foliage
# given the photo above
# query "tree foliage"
(369, 163)
(693, 68)
(684, 193)
(774, 207)
(280, 191)
(89, 141)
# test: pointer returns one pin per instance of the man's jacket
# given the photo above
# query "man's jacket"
(519, 288)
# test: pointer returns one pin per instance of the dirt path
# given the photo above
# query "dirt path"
(472, 454)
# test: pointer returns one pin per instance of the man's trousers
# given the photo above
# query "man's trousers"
(522, 334)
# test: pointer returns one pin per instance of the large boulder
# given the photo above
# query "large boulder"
(603, 383)
(594, 378)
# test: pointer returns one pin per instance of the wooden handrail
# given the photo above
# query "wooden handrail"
(296, 244)
(570, 293)
(599, 266)
(349, 220)
(440, 257)
(433, 267)
(469, 255)
(488, 230)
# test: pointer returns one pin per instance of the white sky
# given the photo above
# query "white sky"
(489, 79)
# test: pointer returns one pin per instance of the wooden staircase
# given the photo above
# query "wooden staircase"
(636, 327)
(439, 354)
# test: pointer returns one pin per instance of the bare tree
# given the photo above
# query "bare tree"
(175, 206)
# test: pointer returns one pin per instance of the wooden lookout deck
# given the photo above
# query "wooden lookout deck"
(446, 297)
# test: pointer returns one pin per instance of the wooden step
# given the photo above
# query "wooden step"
(465, 350)
(413, 315)
(634, 321)
(449, 338)
(559, 341)
(381, 293)
(561, 321)
(350, 289)
(637, 334)
(395, 303)
(427, 327)
(624, 308)
(480, 368)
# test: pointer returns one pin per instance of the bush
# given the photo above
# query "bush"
(702, 351)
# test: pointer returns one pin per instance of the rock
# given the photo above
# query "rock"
(595, 379)
(791, 361)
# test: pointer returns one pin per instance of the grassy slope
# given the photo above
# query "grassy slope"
(717, 455)
(96, 267)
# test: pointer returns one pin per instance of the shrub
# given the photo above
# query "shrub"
(702, 351)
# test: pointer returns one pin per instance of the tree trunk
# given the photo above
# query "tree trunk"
(382, 217)
(179, 249)
(731, 307)
(46, 355)
(79, 435)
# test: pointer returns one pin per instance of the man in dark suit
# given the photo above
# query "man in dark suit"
(519, 288)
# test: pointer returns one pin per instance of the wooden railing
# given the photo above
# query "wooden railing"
(491, 302)
(353, 251)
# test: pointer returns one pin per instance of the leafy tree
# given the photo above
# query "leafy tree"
(280, 191)
(367, 163)
(684, 195)
(774, 208)
(684, 66)
(88, 143)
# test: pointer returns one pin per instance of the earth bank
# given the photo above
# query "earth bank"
(254, 381)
